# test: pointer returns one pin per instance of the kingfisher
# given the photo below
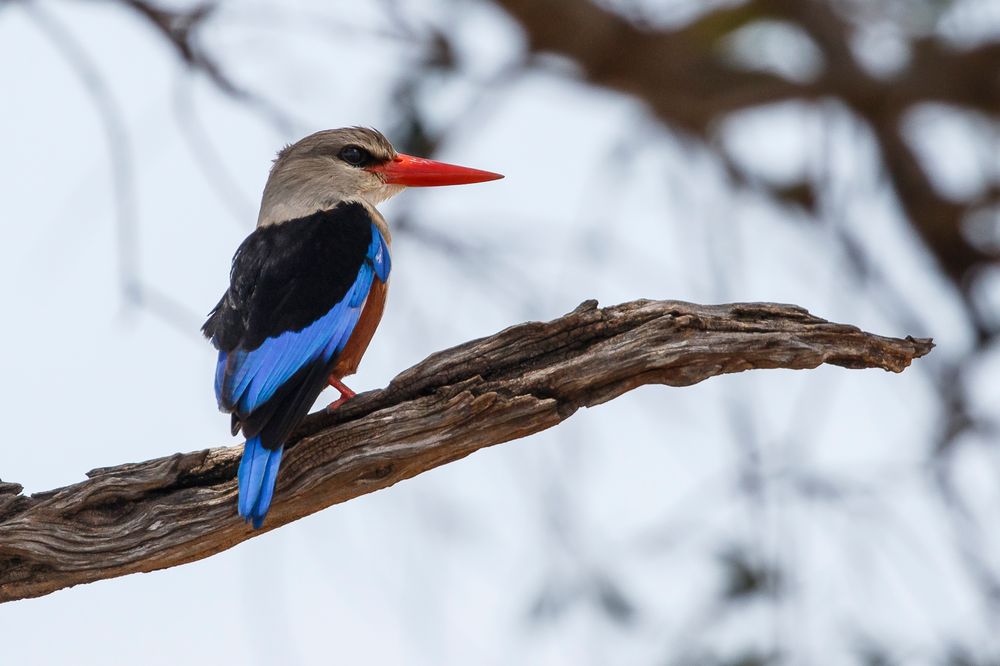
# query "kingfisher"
(307, 289)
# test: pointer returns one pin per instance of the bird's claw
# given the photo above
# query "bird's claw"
(345, 393)
(336, 403)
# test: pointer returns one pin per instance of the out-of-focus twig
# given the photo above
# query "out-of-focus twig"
(179, 27)
(681, 74)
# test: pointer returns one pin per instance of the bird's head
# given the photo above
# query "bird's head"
(349, 164)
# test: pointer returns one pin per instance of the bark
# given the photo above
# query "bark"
(168, 511)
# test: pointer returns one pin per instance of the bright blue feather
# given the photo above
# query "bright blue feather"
(267, 487)
(246, 380)
(220, 375)
(378, 254)
(257, 475)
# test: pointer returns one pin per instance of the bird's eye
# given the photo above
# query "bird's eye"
(353, 155)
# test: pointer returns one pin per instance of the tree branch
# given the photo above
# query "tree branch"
(169, 511)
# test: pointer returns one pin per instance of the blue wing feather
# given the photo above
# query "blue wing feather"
(378, 253)
(245, 380)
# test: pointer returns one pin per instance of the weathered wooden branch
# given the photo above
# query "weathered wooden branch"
(169, 511)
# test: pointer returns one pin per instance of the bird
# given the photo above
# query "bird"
(307, 289)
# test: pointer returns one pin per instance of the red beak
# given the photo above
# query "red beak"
(418, 172)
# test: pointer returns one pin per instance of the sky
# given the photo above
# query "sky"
(489, 560)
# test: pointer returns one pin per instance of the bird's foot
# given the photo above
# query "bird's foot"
(345, 393)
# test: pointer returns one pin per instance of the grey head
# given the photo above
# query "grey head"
(323, 169)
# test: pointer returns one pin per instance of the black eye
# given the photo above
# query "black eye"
(354, 156)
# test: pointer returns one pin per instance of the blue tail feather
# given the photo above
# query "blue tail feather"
(257, 476)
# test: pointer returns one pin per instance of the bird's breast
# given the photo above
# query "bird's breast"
(371, 315)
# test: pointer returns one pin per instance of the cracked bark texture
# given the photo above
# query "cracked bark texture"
(160, 513)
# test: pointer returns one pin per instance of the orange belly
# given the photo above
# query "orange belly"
(371, 315)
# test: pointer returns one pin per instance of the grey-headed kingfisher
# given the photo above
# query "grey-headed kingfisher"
(307, 289)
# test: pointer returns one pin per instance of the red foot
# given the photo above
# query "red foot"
(345, 393)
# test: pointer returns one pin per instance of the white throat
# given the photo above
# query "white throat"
(307, 201)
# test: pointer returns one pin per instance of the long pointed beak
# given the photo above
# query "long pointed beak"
(418, 172)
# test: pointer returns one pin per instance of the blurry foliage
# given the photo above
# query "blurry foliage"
(745, 578)
(559, 595)
(740, 658)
